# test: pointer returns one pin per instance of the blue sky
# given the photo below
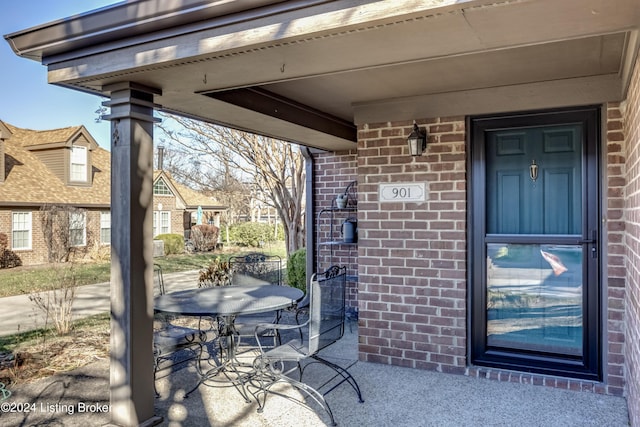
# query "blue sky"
(26, 99)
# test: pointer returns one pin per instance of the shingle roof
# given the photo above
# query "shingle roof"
(191, 198)
(32, 138)
(29, 182)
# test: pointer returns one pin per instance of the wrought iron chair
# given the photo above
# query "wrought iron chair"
(256, 268)
(251, 269)
(325, 326)
(170, 338)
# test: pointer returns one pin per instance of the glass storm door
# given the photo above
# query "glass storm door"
(534, 234)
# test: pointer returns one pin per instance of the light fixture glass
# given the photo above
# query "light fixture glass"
(417, 141)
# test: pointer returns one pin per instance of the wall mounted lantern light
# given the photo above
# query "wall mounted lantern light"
(417, 141)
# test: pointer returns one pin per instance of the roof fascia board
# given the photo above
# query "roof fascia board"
(335, 15)
(206, 207)
(48, 145)
(38, 205)
(133, 19)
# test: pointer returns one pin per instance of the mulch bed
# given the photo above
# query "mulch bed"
(53, 355)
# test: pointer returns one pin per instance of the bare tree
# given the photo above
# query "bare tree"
(215, 178)
(65, 229)
(274, 167)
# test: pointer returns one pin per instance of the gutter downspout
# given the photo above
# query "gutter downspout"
(309, 213)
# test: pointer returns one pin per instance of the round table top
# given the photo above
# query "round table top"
(228, 300)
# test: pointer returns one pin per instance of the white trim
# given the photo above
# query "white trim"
(78, 219)
(159, 217)
(105, 219)
(158, 183)
(28, 227)
(79, 158)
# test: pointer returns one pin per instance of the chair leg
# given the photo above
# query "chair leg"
(346, 376)
(268, 377)
(310, 391)
(197, 354)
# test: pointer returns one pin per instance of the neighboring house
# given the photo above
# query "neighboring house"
(509, 249)
(61, 167)
(65, 168)
(176, 207)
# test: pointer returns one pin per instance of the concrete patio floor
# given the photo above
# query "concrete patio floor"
(394, 396)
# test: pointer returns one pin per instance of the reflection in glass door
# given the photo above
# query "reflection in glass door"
(534, 243)
(534, 298)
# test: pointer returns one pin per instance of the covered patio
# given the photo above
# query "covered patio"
(393, 396)
(349, 78)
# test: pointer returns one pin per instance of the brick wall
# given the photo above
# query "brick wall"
(334, 172)
(615, 269)
(38, 254)
(412, 256)
(632, 247)
(177, 215)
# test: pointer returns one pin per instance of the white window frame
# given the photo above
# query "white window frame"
(159, 220)
(105, 224)
(78, 164)
(159, 185)
(21, 221)
(79, 220)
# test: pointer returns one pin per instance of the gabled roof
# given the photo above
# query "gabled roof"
(191, 198)
(63, 137)
(30, 183)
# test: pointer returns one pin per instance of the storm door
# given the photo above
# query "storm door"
(534, 242)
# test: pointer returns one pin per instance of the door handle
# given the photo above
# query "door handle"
(593, 239)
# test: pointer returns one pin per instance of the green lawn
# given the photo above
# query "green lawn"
(89, 337)
(25, 280)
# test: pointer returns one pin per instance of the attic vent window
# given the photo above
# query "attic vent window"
(78, 164)
(160, 188)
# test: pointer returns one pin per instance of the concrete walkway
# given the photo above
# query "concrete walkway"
(19, 314)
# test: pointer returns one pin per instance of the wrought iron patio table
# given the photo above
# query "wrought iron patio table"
(227, 302)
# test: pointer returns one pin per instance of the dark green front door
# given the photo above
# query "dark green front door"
(534, 237)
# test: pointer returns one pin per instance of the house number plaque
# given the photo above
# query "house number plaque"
(403, 192)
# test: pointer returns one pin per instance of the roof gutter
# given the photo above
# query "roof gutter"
(309, 216)
(40, 205)
(133, 22)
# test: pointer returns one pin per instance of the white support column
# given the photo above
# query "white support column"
(132, 393)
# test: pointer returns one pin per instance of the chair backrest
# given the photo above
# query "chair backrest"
(256, 268)
(326, 307)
